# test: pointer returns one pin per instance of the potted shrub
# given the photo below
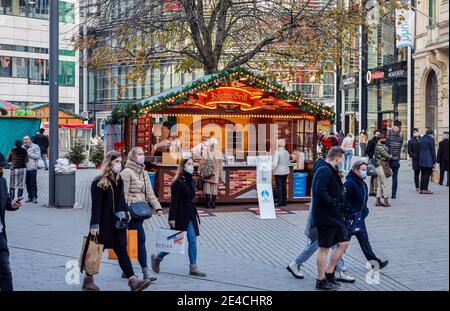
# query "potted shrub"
(77, 155)
(97, 155)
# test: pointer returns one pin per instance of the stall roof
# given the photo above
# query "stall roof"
(76, 115)
(76, 126)
(180, 94)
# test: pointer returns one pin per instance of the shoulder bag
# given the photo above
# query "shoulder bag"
(355, 222)
(141, 210)
(386, 168)
(206, 168)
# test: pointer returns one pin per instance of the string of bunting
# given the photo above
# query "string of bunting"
(133, 110)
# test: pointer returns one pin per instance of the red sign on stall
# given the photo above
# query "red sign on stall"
(228, 95)
(143, 133)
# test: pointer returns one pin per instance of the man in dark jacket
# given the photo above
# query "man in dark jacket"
(395, 143)
(370, 150)
(427, 160)
(442, 158)
(5, 204)
(328, 217)
(414, 154)
(42, 141)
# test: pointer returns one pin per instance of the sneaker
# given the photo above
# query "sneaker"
(343, 277)
(35, 200)
(294, 268)
(383, 263)
(325, 285)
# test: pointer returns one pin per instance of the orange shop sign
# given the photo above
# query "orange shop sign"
(229, 95)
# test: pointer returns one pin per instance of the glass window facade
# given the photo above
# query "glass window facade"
(36, 70)
(37, 9)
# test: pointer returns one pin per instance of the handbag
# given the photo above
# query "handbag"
(206, 168)
(435, 176)
(386, 168)
(91, 255)
(371, 168)
(121, 223)
(141, 210)
(355, 222)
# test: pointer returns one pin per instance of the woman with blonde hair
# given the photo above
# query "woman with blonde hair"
(183, 215)
(108, 206)
(211, 184)
(138, 188)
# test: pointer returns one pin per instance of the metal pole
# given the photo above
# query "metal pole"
(85, 55)
(409, 93)
(360, 80)
(53, 98)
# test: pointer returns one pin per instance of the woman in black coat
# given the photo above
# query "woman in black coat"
(183, 214)
(108, 206)
(443, 159)
(414, 154)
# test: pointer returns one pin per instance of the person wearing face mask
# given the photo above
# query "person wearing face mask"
(34, 154)
(6, 204)
(18, 158)
(328, 216)
(414, 154)
(183, 215)
(138, 188)
(383, 188)
(211, 184)
(356, 197)
(108, 205)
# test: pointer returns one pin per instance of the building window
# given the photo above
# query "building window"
(431, 100)
(38, 71)
(431, 12)
(66, 73)
(66, 12)
(37, 9)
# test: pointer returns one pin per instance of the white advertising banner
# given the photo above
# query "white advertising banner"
(264, 187)
(405, 27)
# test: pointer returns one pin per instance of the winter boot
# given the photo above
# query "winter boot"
(378, 202)
(137, 285)
(193, 270)
(88, 284)
(156, 261)
(386, 202)
(208, 201)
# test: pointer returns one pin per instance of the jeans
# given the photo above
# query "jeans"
(123, 259)
(31, 184)
(142, 251)
(348, 160)
(309, 250)
(192, 249)
(416, 178)
(425, 178)
(441, 176)
(44, 159)
(5, 269)
(362, 146)
(363, 240)
(395, 165)
(281, 189)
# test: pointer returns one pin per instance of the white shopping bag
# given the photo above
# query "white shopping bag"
(171, 241)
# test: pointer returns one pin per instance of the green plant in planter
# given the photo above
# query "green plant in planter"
(78, 153)
(97, 154)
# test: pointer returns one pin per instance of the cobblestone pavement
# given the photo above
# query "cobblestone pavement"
(239, 251)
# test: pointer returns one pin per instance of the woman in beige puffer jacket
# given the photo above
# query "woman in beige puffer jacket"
(137, 188)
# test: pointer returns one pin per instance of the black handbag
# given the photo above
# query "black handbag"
(120, 223)
(141, 210)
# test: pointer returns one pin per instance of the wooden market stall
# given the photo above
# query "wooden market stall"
(41, 111)
(244, 113)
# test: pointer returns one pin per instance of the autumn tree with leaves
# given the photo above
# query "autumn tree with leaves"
(213, 35)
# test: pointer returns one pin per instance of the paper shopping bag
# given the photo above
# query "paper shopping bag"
(132, 246)
(171, 241)
(91, 255)
(435, 176)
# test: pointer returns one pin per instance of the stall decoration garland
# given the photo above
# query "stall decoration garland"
(236, 74)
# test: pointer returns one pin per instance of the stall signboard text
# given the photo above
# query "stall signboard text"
(231, 96)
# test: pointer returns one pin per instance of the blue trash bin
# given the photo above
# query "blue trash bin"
(299, 185)
(152, 176)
